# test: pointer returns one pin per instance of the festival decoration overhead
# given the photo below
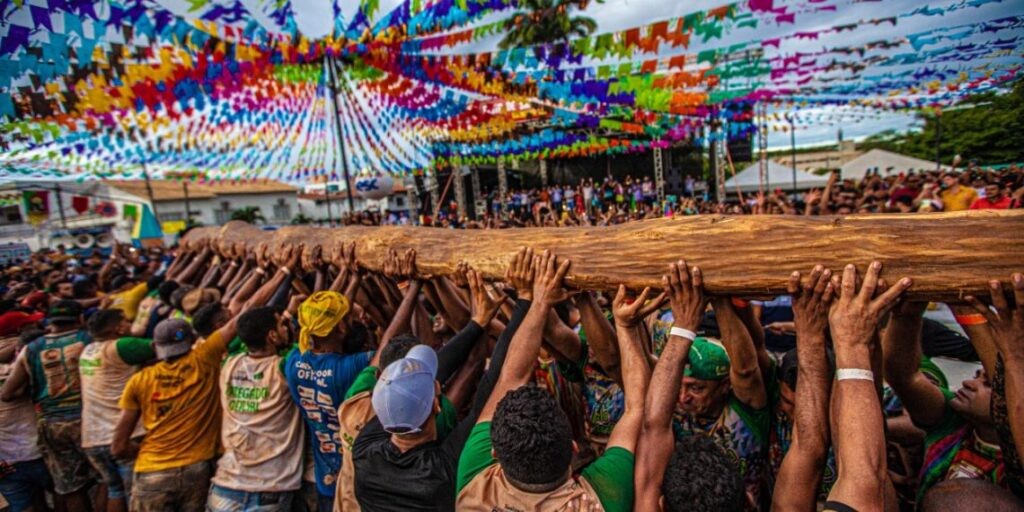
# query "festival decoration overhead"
(233, 90)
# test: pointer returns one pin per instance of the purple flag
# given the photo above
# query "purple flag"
(41, 17)
(17, 37)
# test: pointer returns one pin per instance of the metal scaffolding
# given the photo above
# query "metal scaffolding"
(761, 111)
(659, 175)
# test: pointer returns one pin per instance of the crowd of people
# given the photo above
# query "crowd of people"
(612, 201)
(224, 378)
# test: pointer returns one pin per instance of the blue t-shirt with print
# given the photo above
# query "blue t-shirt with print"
(318, 383)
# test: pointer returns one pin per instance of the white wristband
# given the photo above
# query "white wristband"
(854, 374)
(683, 333)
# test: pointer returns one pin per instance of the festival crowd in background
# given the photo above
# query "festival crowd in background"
(224, 378)
(612, 201)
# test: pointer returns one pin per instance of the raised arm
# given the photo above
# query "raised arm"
(744, 369)
(826, 195)
(17, 384)
(233, 269)
(520, 274)
(525, 345)
(288, 260)
(561, 340)
(454, 310)
(600, 335)
(400, 322)
(453, 354)
(805, 459)
(980, 334)
(752, 322)
(857, 421)
(636, 373)
(213, 273)
(901, 358)
(1007, 326)
(248, 263)
(686, 295)
(186, 276)
(180, 261)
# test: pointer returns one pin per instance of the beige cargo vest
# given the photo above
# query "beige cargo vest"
(490, 491)
(353, 416)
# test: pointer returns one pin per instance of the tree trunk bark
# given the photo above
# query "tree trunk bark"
(948, 255)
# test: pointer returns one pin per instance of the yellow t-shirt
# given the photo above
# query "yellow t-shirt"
(180, 405)
(959, 201)
(128, 300)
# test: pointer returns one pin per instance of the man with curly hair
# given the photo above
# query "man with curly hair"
(519, 455)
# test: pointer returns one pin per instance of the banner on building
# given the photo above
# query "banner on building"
(37, 205)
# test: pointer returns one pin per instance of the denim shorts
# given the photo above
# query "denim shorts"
(28, 479)
(223, 499)
(115, 474)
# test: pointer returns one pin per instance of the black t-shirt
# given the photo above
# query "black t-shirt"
(424, 478)
(387, 479)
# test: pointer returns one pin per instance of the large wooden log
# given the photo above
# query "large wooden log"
(947, 254)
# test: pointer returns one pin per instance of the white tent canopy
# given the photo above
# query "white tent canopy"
(779, 176)
(886, 162)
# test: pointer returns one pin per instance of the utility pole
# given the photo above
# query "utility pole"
(149, 190)
(938, 139)
(327, 199)
(474, 182)
(60, 207)
(659, 175)
(145, 175)
(460, 189)
(792, 148)
(502, 185)
(762, 146)
(330, 62)
(188, 205)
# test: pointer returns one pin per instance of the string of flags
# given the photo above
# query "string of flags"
(226, 90)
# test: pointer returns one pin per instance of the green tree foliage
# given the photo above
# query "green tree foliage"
(250, 214)
(546, 21)
(992, 132)
(301, 219)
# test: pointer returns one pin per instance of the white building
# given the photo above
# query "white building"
(212, 203)
(73, 206)
(104, 206)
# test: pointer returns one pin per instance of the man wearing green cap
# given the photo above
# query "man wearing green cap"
(723, 396)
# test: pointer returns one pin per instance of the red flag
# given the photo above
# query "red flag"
(80, 204)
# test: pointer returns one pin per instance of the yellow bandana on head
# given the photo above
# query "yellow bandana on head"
(319, 315)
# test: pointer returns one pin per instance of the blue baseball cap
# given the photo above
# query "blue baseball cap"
(403, 397)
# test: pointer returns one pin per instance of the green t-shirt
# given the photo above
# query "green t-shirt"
(611, 475)
(444, 421)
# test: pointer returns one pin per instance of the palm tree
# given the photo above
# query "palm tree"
(301, 219)
(546, 21)
(250, 214)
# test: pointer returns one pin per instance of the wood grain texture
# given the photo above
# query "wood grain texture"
(947, 254)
